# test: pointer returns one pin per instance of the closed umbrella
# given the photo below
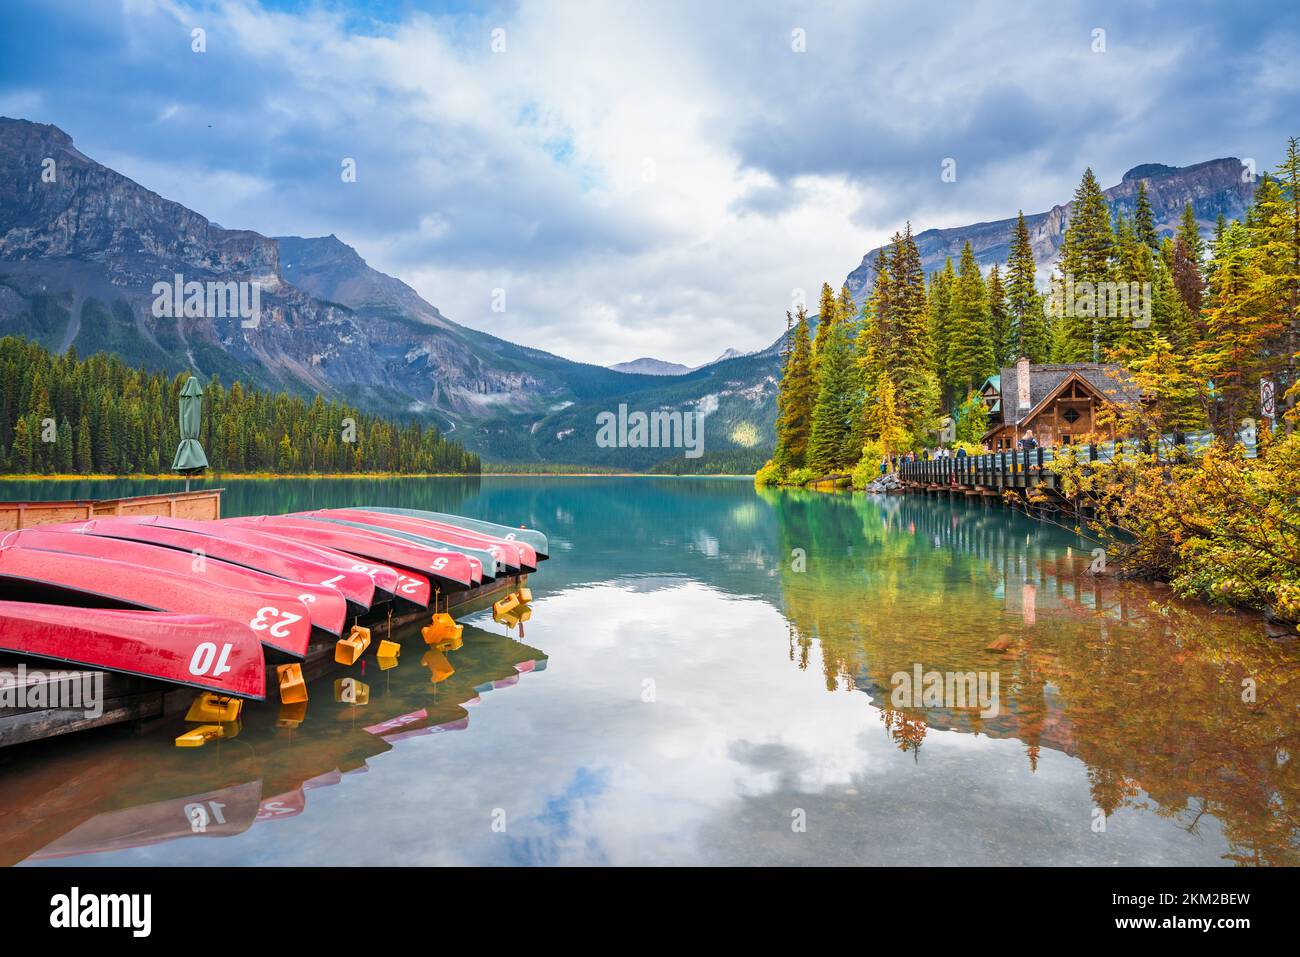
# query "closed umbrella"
(189, 454)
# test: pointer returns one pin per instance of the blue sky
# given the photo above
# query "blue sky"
(641, 179)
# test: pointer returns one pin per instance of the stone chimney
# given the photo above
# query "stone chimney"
(1022, 385)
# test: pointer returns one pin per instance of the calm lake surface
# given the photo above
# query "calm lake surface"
(707, 679)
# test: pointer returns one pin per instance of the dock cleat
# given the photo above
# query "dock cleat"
(209, 708)
(505, 606)
(293, 688)
(442, 632)
(351, 647)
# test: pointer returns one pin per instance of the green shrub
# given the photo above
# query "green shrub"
(769, 474)
(800, 477)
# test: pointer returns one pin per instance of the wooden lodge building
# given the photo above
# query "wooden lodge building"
(1057, 403)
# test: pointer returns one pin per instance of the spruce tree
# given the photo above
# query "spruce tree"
(1189, 231)
(999, 319)
(832, 421)
(794, 400)
(940, 321)
(827, 313)
(910, 359)
(970, 353)
(1144, 220)
(1024, 303)
(1085, 262)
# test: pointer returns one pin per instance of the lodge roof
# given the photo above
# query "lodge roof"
(1109, 379)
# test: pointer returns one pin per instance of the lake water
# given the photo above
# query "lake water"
(708, 677)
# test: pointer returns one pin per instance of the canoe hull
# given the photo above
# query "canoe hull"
(327, 607)
(214, 654)
(280, 623)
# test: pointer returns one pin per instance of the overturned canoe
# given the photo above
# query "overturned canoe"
(357, 587)
(451, 569)
(215, 654)
(385, 578)
(530, 535)
(515, 555)
(327, 608)
(494, 562)
(61, 578)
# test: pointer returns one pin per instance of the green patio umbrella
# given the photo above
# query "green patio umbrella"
(189, 454)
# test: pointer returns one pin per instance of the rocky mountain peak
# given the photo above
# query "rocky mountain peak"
(57, 202)
(1215, 187)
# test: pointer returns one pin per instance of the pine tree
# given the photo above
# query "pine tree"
(846, 310)
(884, 423)
(795, 399)
(827, 313)
(1144, 220)
(909, 358)
(20, 457)
(63, 456)
(832, 421)
(1240, 320)
(939, 303)
(875, 332)
(1024, 304)
(1189, 231)
(1187, 275)
(999, 319)
(1280, 235)
(1170, 319)
(970, 353)
(1085, 263)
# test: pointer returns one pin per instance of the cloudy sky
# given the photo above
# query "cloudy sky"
(641, 179)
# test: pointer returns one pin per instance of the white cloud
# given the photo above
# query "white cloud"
(656, 179)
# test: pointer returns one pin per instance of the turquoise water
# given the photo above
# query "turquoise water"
(708, 676)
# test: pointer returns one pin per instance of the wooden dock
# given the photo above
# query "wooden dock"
(203, 505)
(130, 698)
(983, 475)
(126, 698)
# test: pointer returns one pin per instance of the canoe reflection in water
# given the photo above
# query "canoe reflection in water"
(136, 791)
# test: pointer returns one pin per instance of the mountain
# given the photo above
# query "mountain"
(82, 248)
(1214, 187)
(647, 366)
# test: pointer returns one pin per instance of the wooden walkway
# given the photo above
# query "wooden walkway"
(1025, 469)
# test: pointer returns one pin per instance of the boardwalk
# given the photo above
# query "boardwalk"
(1021, 470)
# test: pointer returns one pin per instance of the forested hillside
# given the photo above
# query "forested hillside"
(63, 414)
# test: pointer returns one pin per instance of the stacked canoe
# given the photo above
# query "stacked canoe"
(205, 604)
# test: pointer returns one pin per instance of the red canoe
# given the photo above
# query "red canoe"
(327, 608)
(385, 578)
(451, 568)
(35, 575)
(215, 654)
(392, 581)
(514, 554)
(356, 587)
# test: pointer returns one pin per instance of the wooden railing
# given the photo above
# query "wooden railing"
(1027, 468)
